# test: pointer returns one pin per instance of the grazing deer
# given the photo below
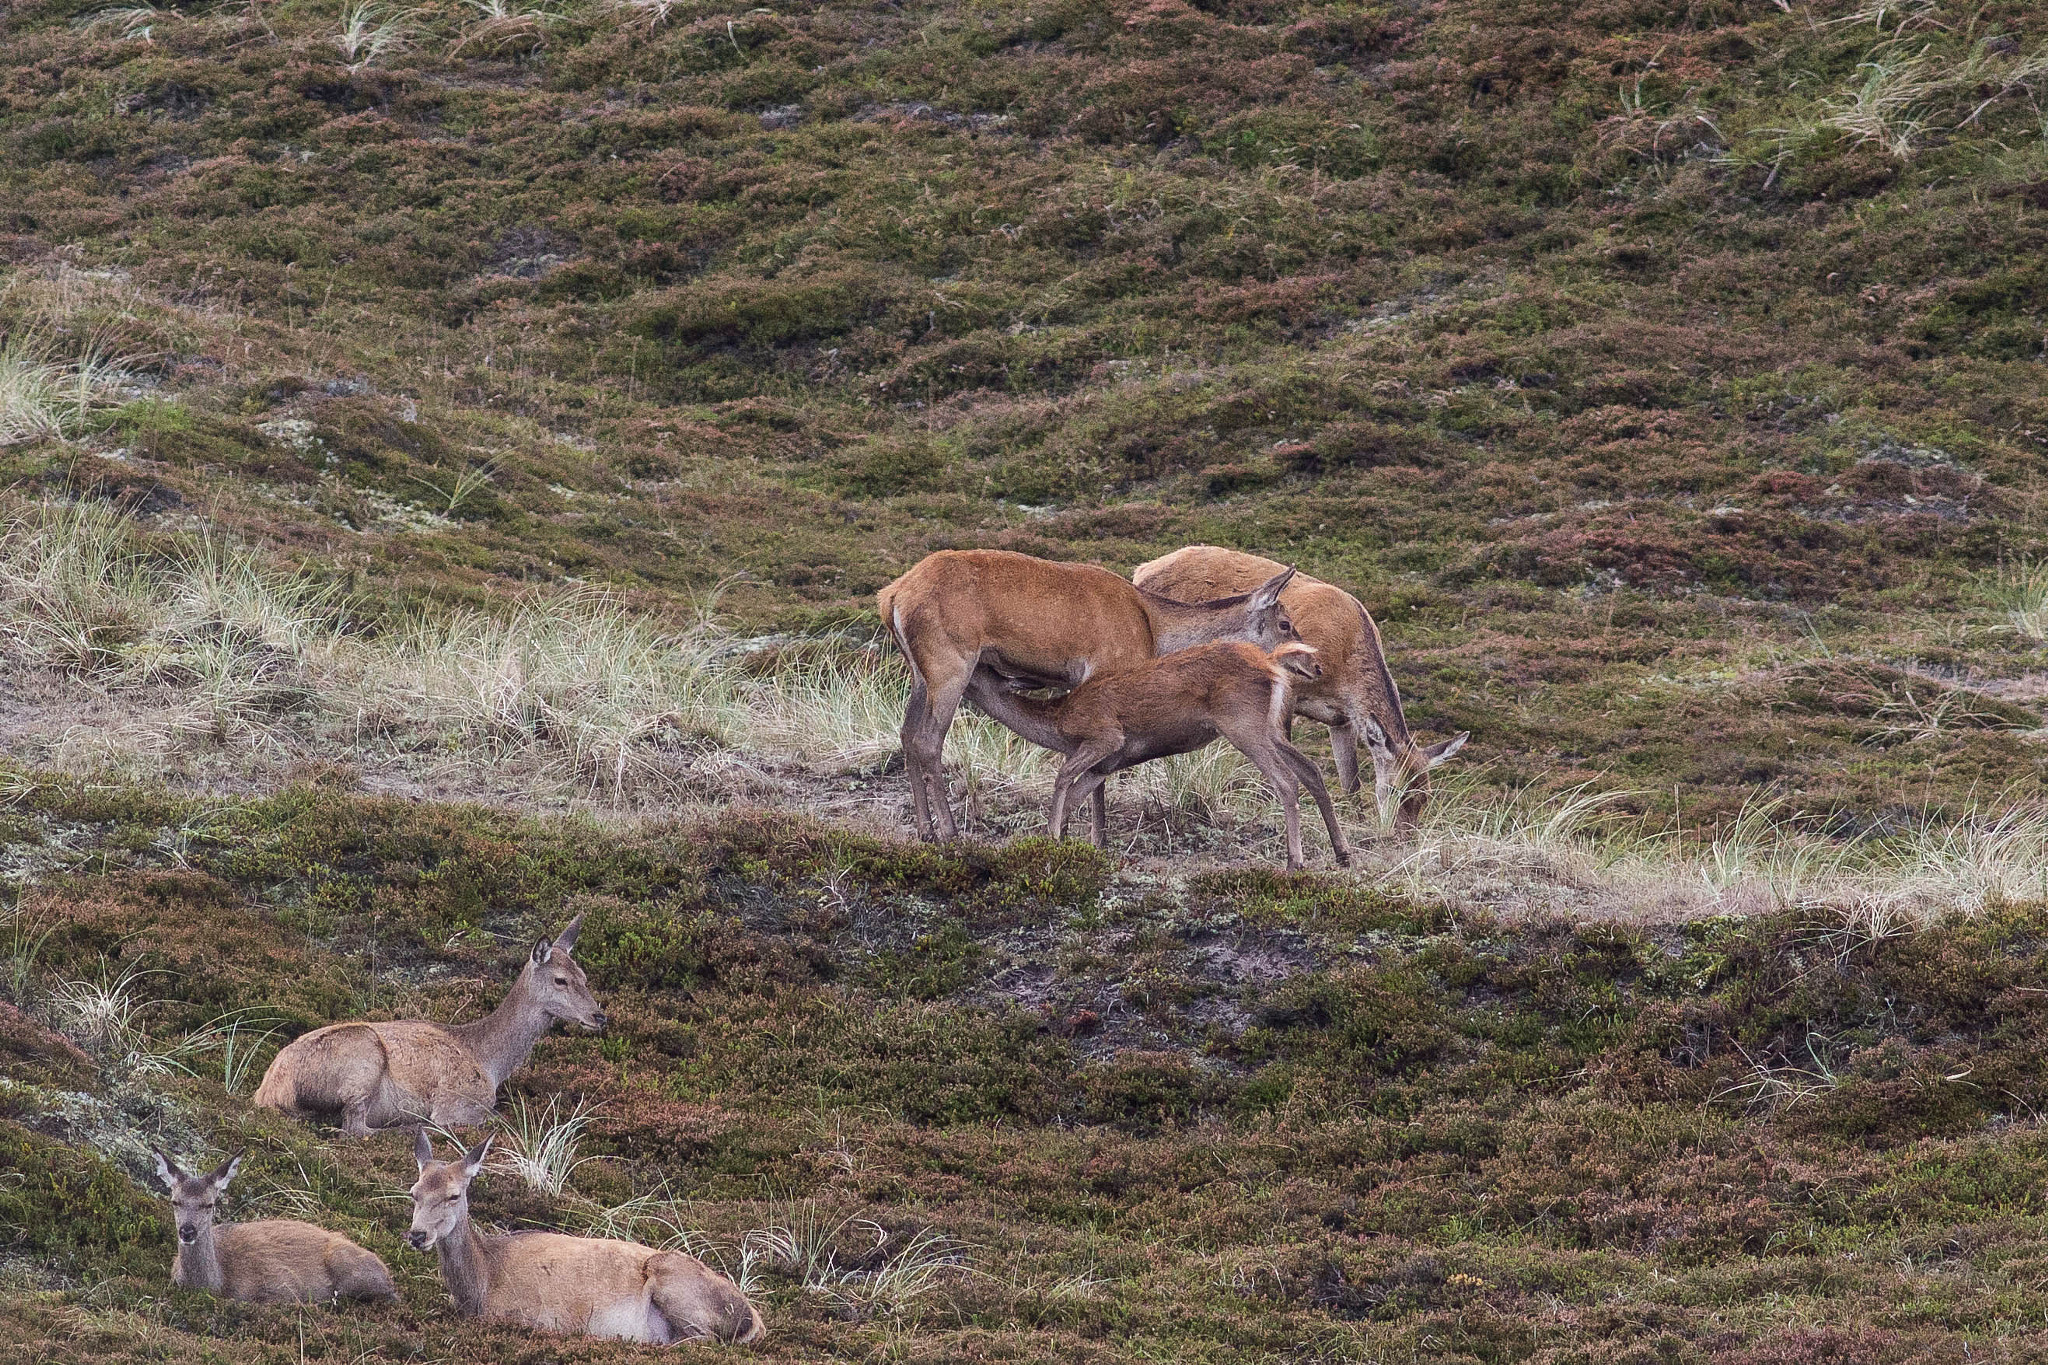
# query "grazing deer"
(278, 1260)
(1176, 705)
(388, 1075)
(587, 1286)
(1015, 620)
(1356, 694)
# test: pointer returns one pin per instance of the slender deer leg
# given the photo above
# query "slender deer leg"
(924, 737)
(913, 769)
(1321, 793)
(1344, 749)
(1075, 770)
(1098, 814)
(1263, 749)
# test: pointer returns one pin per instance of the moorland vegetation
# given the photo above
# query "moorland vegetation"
(449, 457)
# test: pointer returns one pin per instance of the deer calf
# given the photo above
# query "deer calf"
(586, 1286)
(277, 1260)
(1176, 705)
(1355, 696)
(405, 1072)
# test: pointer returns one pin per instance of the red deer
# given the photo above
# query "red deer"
(1356, 694)
(583, 1286)
(1014, 618)
(277, 1260)
(406, 1072)
(1176, 705)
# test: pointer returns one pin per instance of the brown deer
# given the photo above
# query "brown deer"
(405, 1072)
(1176, 705)
(1017, 620)
(277, 1260)
(1356, 694)
(586, 1286)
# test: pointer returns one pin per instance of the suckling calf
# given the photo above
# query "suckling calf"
(1175, 705)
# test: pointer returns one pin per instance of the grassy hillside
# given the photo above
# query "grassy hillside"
(448, 456)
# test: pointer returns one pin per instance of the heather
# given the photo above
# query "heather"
(449, 454)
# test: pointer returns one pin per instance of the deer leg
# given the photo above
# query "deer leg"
(924, 741)
(1098, 813)
(1321, 793)
(1344, 749)
(913, 769)
(355, 1119)
(1075, 771)
(1268, 753)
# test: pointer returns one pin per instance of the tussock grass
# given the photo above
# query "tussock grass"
(540, 1145)
(369, 33)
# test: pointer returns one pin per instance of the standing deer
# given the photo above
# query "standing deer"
(1010, 618)
(1356, 694)
(587, 1286)
(277, 1260)
(388, 1075)
(1176, 705)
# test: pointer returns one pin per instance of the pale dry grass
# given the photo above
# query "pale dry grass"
(239, 657)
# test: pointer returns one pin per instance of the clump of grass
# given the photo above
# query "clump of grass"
(44, 396)
(2021, 589)
(106, 1013)
(655, 11)
(504, 24)
(131, 21)
(368, 32)
(540, 1145)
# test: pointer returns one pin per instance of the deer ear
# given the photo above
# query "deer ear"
(1376, 738)
(474, 1162)
(167, 1170)
(422, 1146)
(566, 940)
(541, 951)
(225, 1172)
(1437, 753)
(1268, 592)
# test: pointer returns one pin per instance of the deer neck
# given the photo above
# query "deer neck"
(1183, 625)
(502, 1040)
(198, 1263)
(464, 1267)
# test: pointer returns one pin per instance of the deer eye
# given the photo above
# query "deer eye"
(561, 981)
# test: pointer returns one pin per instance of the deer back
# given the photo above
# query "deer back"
(1037, 616)
(283, 1260)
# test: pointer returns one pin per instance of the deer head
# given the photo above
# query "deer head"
(1269, 622)
(194, 1197)
(557, 982)
(440, 1197)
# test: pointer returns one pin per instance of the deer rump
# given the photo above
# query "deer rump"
(599, 1287)
(392, 1074)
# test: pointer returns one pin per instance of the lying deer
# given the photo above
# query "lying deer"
(1176, 705)
(277, 1260)
(1356, 694)
(387, 1075)
(588, 1286)
(971, 621)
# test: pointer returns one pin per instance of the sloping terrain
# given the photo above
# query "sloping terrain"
(449, 454)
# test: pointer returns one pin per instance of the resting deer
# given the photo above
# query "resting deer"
(1176, 705)
(969, 620)
(1356, 694)
(405, 1072)
(589, 1286)
(278, 1260)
